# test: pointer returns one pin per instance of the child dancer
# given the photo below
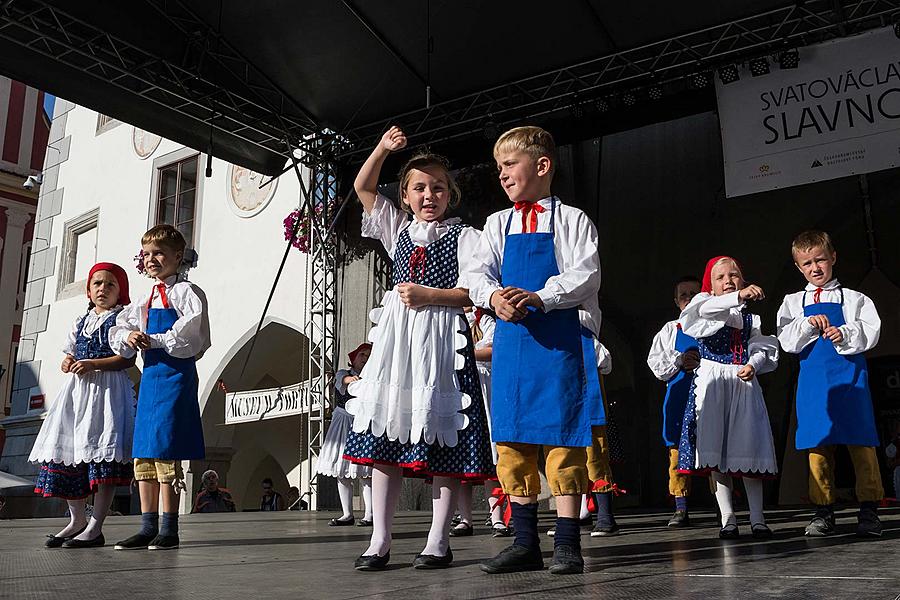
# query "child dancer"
(331, 459)
(673, 358)
(418, 405)
(726, 428)
(537, 262)
(830, 327)
(170, 326)
(84, 445)
(482, 325)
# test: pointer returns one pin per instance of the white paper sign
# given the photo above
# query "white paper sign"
(257, 405)
(837, 114)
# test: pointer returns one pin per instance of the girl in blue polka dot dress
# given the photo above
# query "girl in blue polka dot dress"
(417, 408)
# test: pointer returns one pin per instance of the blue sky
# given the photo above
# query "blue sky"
(49, 101)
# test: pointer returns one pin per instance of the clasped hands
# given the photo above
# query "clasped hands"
(511, 303)
(79, 367)
(829, 331)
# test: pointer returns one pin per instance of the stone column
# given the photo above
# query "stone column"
(9, 291)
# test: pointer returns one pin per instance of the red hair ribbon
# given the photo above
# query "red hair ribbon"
(503, 499)
(529, 207)
(417, 264)
(707, 273)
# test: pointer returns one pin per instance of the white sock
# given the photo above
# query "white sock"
(345, 491)
(464, 503)
(493, 503)
(77, 518)
(443, 502)
(754, 489)
(585, 513)
(102, 501)
(386, 480)
(367, 497)
(724, 485)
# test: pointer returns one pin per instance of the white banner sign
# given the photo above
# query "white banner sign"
(256, 405)
(837, 114)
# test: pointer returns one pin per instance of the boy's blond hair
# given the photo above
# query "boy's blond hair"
(533, 141)
(812, 239)
(165, 235)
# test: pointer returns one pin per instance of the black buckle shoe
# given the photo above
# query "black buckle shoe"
(567, 560)
(97, 542)
(429, 561)
(761, 531)
(501, 530)
(138, 541)
(55, 542)
(679, 519)
(729, 532)
(822, 524)
(462, 530)
(372, 562)
(163, 542)
(514, 559)
(341, 523)
(364, 523)
(869, 524)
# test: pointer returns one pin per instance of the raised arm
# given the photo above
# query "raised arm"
(366, 183)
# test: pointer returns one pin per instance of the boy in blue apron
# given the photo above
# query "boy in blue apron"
(830, 327)
(171, 328)
(535, 265)
(673, 358)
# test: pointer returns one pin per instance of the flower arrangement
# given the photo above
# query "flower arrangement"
(303, 224)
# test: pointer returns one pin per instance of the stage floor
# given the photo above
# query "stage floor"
(295, 555)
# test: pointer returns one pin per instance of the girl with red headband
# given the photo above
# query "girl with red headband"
(417, 409)
(726, 429)
(331, 458)
(84, 445)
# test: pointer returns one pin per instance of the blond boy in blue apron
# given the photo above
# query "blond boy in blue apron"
(536, 264)
(830, 327)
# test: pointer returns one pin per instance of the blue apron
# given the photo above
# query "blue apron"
(834, 405)
(594, 392)
(677, 391)
(167, 425)
(538, 385)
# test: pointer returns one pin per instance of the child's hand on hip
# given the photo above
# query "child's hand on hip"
(752, 292)
(746, 372)
(834, 334)
(505, 309)
(67, 363)
(820, 322)
(81, 367)
(414, 295)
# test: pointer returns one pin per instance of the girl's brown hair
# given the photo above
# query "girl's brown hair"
(420, 161)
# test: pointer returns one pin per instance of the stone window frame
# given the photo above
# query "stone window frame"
(68, 285)
(105, 123)
(167, 160)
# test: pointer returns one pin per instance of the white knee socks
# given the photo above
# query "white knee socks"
(102, 501)
(345, 491)
(464, 504)
(367, 497)
(724, 485)
(77, 518)
(443, 503)
(754, 489)
(386, 480)
(493, 502)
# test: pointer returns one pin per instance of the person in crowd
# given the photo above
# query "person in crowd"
(673, 357)
(211, 498)
(417, 408)
(84, 445)
(726, 429)
(331, 458)
(536, 263)
(170, 327)
(271, 500)
(830, 327)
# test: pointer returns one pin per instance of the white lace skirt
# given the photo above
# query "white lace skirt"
(409, 390)
(331, 457)
(91, 420)
(733, 430)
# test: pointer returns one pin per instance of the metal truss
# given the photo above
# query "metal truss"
(255, 111)
(792, 26)
(321, 192)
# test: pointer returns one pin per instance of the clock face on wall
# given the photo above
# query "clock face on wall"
(144, 142)
(245, 195)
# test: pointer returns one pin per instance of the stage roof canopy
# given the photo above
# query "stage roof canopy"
(250, 80)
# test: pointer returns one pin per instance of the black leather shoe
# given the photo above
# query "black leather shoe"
(760, 531)
(136, 542)
(163, 542)
(372, 562)
(364, 523)
(869, 525)
(729, 532)
(605, 528)
(56, 542)
(429, 561)
(514, 559)
(679, 519)
(97, 542)
(341, 522)
(462, 530)
(567, 560)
